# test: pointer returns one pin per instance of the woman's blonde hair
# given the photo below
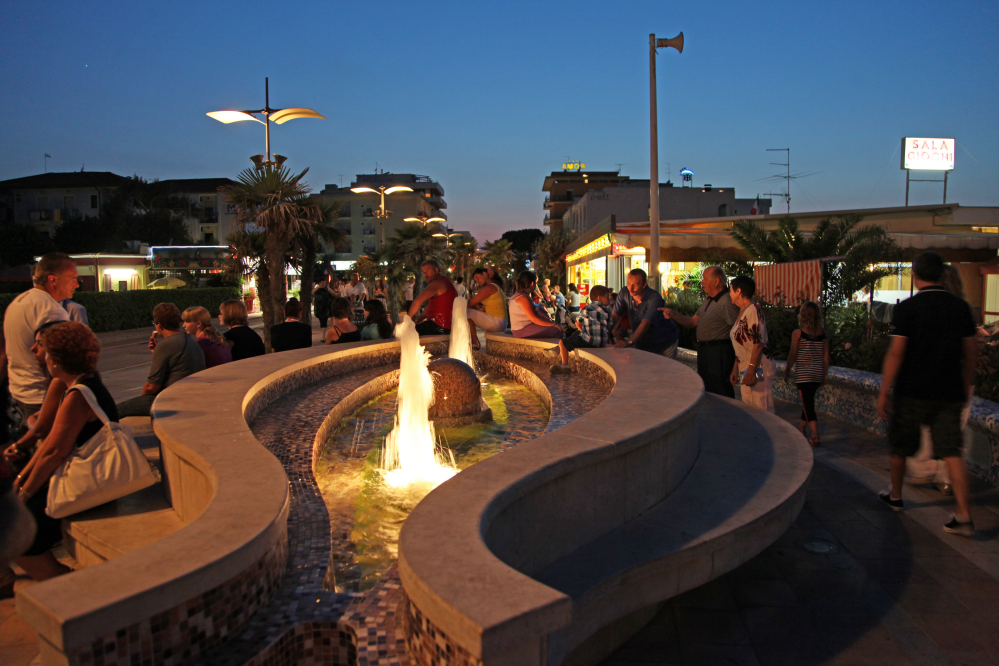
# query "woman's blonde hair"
(234, 313)
(810, 318)
(202, 316)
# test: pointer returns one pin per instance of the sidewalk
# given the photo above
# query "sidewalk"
(851, 582)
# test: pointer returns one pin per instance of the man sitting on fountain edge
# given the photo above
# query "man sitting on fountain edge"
(439, 295)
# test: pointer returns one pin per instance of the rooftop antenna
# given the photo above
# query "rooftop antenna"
(47, 156)
(787, 178)
(619, 168)
(341, 181)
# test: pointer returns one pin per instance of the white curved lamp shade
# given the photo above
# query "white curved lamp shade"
(436, 219)
(232, 116)
(359, 190)
(398, 188)
(284, 115)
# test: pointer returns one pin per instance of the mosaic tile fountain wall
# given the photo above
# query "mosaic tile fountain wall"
(186, 632)
(851, 395)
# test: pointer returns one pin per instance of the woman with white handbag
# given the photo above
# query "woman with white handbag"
(72, 351)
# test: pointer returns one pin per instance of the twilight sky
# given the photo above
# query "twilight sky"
(488, 98)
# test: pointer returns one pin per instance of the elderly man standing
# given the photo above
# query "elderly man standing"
(439, 295)
(713, 321)
(55, 279)
(649, 330)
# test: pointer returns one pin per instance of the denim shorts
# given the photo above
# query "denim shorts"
(942, 416)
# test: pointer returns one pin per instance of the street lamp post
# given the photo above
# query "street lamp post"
(382, 214)
(424, 220)
(279, 116)
(677, 43)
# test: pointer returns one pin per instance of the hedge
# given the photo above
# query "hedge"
(123, 310)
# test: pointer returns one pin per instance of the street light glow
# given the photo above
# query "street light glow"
(398, 188)
(359, 190)
(232, 116)
(284, 115)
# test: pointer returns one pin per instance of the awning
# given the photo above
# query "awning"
(789, 284)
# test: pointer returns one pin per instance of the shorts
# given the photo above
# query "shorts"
(486, 321)
(576, 341)
(427, 327)
(943, 418)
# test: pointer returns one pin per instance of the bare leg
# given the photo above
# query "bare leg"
(563, 353)
(41, 567)
(473, 335)
(802, 428)
(897, 476)
(814, 425)
(959, 482)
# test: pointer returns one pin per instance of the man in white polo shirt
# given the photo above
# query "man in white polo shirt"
(55, 279)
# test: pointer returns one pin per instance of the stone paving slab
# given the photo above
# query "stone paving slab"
(891, 590)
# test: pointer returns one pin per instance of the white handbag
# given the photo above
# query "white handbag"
(110, 465)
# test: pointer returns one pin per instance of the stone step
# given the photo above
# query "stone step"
(134, 521)
(744, 490)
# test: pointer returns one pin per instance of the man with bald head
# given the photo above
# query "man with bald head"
(713, 321)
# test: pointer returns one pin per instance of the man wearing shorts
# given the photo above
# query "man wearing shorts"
(931, 362)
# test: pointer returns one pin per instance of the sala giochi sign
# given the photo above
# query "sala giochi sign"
(921, 154)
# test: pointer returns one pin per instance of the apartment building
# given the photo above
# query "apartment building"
(565, 187)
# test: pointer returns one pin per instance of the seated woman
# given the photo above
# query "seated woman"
(342, 329)
(38, 425)
(198, 325)
(376, 322)
(487, 309)
(71, 353)
(244, 342)
(525, 319)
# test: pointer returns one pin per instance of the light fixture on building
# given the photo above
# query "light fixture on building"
(382, 190)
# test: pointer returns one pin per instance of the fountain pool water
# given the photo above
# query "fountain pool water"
(411, 455)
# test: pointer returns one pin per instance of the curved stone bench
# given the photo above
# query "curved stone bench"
(568, 535)
(177, 597)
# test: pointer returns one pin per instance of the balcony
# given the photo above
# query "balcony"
(344, 211)
(368, 230)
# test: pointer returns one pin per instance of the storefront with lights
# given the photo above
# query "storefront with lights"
(605, 260)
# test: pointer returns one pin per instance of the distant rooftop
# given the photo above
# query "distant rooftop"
(193, 185)
(65, 180)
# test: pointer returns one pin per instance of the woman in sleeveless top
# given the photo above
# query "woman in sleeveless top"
(525, 322)
(809, 357)
(71, 356)
(343, 329)
(487, 309)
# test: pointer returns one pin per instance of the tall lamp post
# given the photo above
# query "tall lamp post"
(381, 213)
(677, 43)
(424, 220)
(279, 116)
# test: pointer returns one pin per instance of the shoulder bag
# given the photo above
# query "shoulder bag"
(109, 466)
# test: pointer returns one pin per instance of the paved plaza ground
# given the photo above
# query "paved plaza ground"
(850, 583)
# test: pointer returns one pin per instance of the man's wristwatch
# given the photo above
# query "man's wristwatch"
(23, 494)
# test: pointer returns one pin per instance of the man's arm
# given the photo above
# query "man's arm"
(435, 288)
(636, 335)
(889, 371)
(683, 320)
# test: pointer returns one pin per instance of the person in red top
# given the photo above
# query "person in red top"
(439, 295)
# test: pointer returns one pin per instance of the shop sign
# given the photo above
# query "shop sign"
(927, 154)
(619, 250)
(601, 243)
(578, 166)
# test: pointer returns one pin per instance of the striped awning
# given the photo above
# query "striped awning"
(789, 284)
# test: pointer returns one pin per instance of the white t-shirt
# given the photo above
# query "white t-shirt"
(750, 328)
(356, 292)
(22, 318)
(460, 288)
(408, 291)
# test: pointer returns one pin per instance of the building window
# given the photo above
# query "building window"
(343, 227)
(369, 230)
(69, 201)
(93, 201)
(42, 202)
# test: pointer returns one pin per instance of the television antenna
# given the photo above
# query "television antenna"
(787, 176)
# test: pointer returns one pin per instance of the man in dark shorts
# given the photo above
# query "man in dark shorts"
(931, 362)
(713, 321)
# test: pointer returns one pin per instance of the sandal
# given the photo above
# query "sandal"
(814, 442)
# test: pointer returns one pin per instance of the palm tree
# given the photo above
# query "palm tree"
(386, 263)
(277, 204)
(248, 261)
(549, 253)
(324, 234)
(499, 253)
(416, 244)
(860, 250)
(465, 254)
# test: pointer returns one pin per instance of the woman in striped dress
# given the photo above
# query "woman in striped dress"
(810, 359)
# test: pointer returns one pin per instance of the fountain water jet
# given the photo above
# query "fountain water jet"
(410, 454)
(461, 339)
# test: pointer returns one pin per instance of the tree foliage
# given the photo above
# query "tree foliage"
(523, 240)
(862, 251)
(549, 255)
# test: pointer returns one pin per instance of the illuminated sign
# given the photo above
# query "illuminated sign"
(573, 165)
(601, 243)
(927, 154)
(619, 250)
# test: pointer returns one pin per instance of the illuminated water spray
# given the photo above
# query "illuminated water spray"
(410, 454)
(461, 339)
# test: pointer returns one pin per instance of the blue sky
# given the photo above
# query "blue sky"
(488, 98)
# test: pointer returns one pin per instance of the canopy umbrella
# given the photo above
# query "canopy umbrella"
(167, 283)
